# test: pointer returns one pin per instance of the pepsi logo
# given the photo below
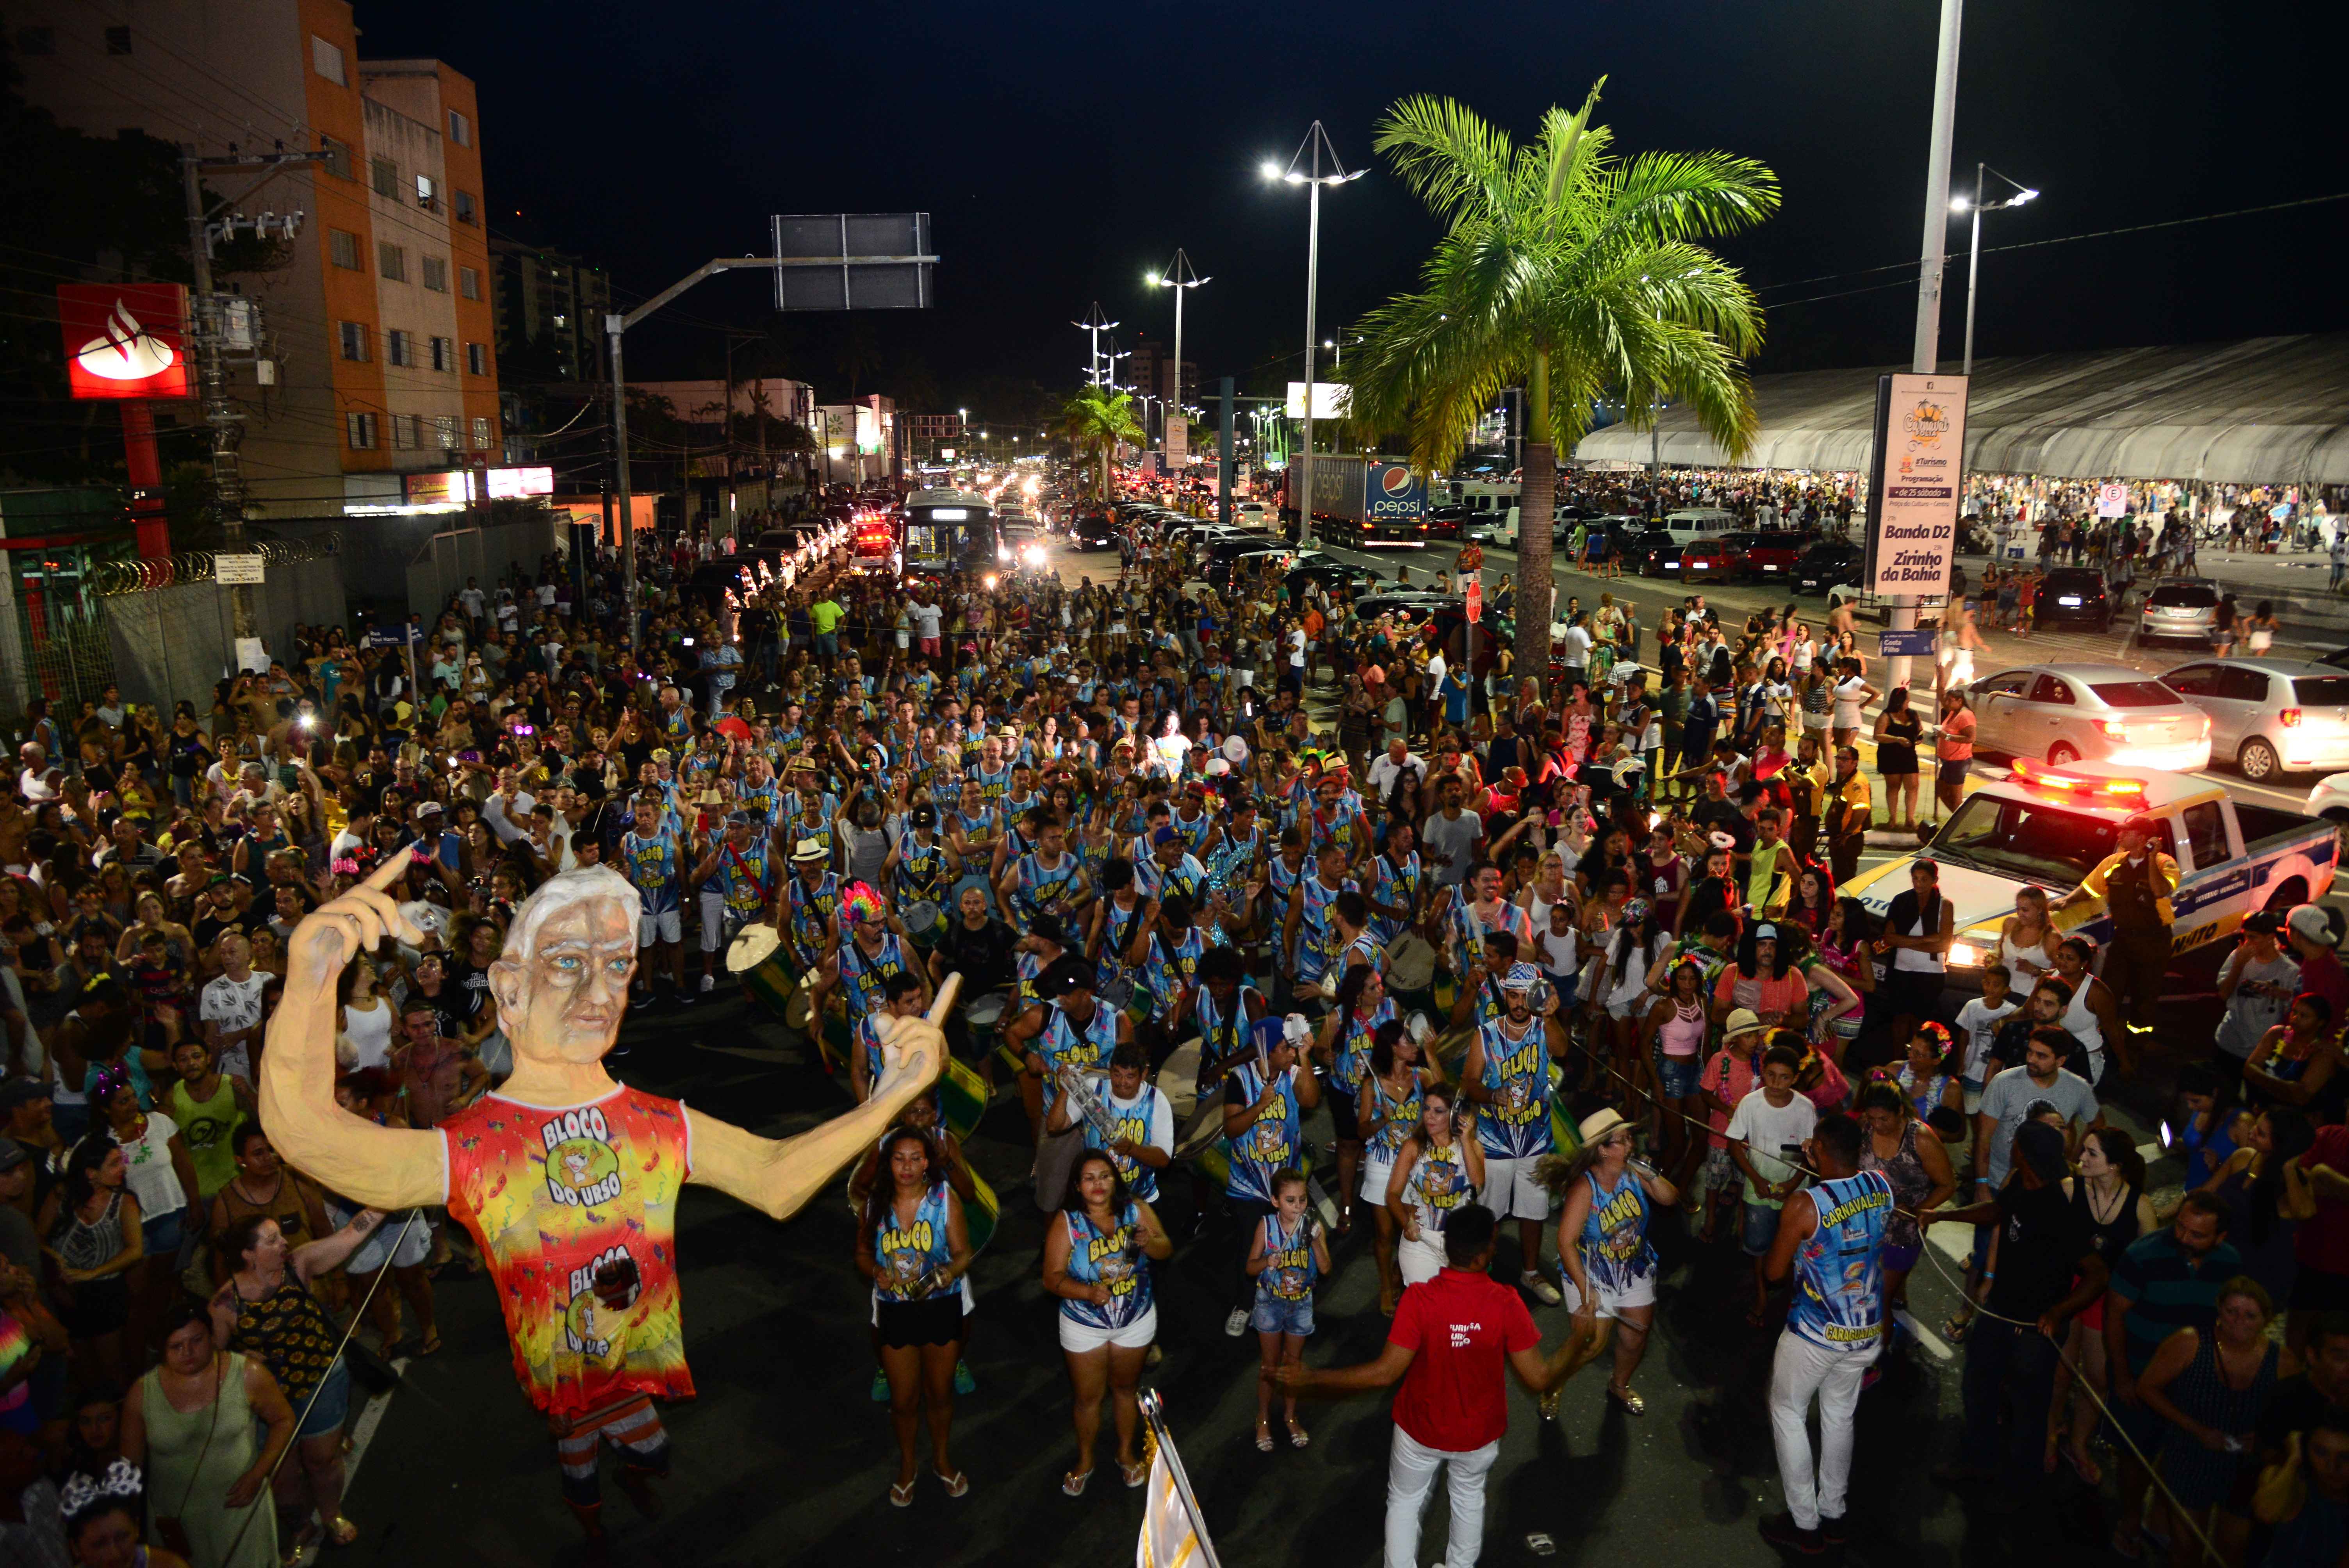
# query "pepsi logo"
(1395, 481)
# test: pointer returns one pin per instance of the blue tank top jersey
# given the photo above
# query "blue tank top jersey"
(1317, 931)
(1615, 1250)
(1270, 1143)
(1133, 1126)
(1353, 1053)
(1438, 1183)
(654, 866)
(1396, 887)
(765, 799)
(1114, 1259)
(1195, 833)
(865, 977)
(810, 910)
(1172, 970)
(908, 1254)
(1402, 1117)
(1061, 1043)
(1185, 876)
(992, 787)
(1839, 1272)
(1118, 927)
(979, 832)
(1340, 821)
(1222, 1035)
(1041, 887)
(1514, 1124)
(1289, 1270)
(742, 877)
(922, 873)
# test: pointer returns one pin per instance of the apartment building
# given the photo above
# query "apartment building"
(550, 313)
(379, 329)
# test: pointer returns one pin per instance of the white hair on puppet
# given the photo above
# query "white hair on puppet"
(559, 893)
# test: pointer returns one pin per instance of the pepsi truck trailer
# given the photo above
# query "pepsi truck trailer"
(1367, 501)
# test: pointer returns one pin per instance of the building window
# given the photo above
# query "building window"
(339, 156)
(477, 358)
(37, 40)
(344, 248)
(118, 40)
(469, 281)
(465, 208)
(444, 432)
(391, 261)
(444, 354)
(326, 59)
(562, 320)
(407, 432)
(460, 130)
(436, 273)
(362, 428)
(386, 174)
(481, 432)
(428, 193)
(355, 340)
(398, 347)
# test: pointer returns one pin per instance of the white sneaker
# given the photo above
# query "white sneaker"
(709, 983)
(1237, 1324)
(1544, 1291)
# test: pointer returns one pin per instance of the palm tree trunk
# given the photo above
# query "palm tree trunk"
(1538, 486)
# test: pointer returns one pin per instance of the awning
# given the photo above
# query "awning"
(2263, 410)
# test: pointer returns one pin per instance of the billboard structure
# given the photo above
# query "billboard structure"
(853, 261)
(1331, 399)
(1916, 484)
(126, 340)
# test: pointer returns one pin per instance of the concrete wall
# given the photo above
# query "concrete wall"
(175, 642)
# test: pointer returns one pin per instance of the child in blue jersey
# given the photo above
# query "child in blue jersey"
(1098, 1254)
(1287, 1253)
(1609, 1199)
(654, 860)
(1831, 1239)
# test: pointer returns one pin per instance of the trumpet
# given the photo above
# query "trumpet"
(1090, 1105)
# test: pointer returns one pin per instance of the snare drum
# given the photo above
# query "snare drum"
(983, 1015)
(926, 922)
(759, 959)
(1410, 963)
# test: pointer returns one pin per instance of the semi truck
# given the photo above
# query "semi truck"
(1363, 502)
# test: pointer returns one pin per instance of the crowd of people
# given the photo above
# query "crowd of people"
(1573, 959)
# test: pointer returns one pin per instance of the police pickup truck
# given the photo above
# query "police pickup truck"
(2050, 826)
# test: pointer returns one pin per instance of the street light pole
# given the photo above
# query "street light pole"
(1301, 466)
(2022, 194)
(1181, 277)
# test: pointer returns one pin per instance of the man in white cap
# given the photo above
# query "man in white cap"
(1506, 1074)
(2309, 932)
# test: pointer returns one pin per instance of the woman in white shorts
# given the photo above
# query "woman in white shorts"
(1440, 1167)
(1393, 1100)
(403, 1240)
(1097, 1258)
(1602, 1238)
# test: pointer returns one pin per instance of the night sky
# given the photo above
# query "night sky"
(1062, 149)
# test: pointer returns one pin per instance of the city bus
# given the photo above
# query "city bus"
(950, 530)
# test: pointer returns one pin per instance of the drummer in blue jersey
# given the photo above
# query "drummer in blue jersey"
(902, 995)
(808, 912)
(1171, 868)
(1139, 1133)
(860, 967)
(921, 867)
(1117, 933)
(653, 860)
(1395, 882)
(1097, 1255)
(1506, 1077)
(1196, 823)
(1047, 878)
(1075, 1031)
(1308, 935)
(1343, 1051)
(1264, 1102)
(975, 829)
(1610, 1198)
(736, 882)
(1289, 1254)
(1831, 1239)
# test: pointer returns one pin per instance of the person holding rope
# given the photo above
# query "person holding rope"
(1610, 1198)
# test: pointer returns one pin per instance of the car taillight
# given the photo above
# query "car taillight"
(2289, 719)
(2114, 729)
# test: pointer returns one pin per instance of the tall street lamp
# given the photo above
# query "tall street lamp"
(1977, 206)
(1181, 277)
(1306, 168)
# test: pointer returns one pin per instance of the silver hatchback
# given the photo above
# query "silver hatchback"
(2182, 611)
(2270, 715)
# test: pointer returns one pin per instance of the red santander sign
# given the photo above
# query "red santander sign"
(126, 340)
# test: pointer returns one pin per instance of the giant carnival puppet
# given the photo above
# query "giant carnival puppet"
(568, 1179)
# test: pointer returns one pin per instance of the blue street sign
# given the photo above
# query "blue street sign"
(1914, 644)
(393, 637)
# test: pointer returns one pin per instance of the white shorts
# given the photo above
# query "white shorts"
(1376, 1174)
(666, 926)
(413, 1242)
(713, 918)
(1816, 723)
(1076, 1338)
(1419, 1260)
(1640, 1292)
(1510, 1190)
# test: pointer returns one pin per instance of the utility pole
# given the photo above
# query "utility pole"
(220, 412)
(1093, 325)
(1925, 360)
(1318, 140)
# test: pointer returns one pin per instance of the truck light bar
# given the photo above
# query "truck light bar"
(2120, 790)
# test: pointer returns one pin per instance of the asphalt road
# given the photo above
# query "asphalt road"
(784, 1458)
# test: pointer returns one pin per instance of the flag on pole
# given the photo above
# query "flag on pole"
(1172, 1535)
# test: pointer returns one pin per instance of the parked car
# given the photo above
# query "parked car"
(2270, 715)
(1711, 560)
(1771, 554)
(1826, 565)
(2096, 713)
(2187, 608)
(1448, 521)
(1092, 530)
(1330, 572)
(1252, 514)
(2074, 596)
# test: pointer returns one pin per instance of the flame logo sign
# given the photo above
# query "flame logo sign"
(125, 351)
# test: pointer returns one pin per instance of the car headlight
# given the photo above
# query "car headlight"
(1966, 955)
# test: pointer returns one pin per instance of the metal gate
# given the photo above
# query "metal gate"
(63, 653)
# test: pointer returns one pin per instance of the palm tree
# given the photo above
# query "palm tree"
(1095, 419)
(1569, 272)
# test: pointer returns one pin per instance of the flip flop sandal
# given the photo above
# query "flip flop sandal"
(956, 1483)
(1955, 1327)
(1074, 1483)
(1263, 1436)
(1134, 1474)
(901, 1496)
(1296, 1437)
(1633, 1404)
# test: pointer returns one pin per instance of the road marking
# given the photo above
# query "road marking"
(1925, 1337)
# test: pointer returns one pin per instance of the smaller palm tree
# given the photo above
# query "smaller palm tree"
(1095, 419)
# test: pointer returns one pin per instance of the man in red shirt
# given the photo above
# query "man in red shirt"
(1450, 1338)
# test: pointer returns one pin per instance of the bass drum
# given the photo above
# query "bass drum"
(1178, 1080)
(759, 959)
(926, 922)
(1411, 965)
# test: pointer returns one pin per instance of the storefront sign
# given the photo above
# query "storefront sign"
(125, 340)
(515, 484)
(436, 489)
(1920, 473)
